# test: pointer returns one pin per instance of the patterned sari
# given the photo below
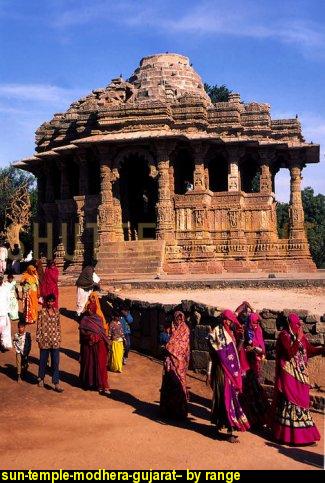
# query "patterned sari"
(173, 394)
(30, 284)
(291, 419)
(226, 379)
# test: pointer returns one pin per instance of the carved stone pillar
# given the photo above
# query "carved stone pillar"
(83, 173)
(200, 175)
(64, 183)
(105, 209)
(266, 159)
(165, 228)
(79, 250)
(296, 211)
(59, 256)
(234, 155)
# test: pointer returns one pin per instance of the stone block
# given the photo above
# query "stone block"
(200, 338)
(269, 333)
(269, 324)
(302, 314)
(267, 372)
(315, 339)
(311, 319)
(320, 328)
(200, 360)
(270, 349)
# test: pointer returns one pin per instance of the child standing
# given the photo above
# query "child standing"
(22, 344)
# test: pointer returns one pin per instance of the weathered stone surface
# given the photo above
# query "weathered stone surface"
(320, 328)
(200, 360)
(267, 372)
(311, 319)
(200, 338)
(270, 349)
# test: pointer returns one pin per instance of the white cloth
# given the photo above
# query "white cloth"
(3, 254)
(5, 332)
(19, 342)
(96, 278)
(82, 299)
(29, 257)
(4, 300)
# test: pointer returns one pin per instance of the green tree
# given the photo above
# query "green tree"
(282, 213)
(217, 93)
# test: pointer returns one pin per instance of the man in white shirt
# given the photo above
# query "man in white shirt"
(5, 325)
(3, 258)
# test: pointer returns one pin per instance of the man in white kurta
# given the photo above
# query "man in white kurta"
(5, 325)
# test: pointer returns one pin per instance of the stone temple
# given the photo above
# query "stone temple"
(151, 176)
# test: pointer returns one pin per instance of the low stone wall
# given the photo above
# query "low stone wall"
(149, 320)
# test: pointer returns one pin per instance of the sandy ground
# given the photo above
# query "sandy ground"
(312, 299)
(41, 429)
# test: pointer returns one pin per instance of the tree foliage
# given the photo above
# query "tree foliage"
(314, 209)
(217, 93)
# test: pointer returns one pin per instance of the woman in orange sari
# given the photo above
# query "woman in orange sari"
(94, 300)
(30, 285)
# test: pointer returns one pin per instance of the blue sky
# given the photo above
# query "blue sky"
(54, 51)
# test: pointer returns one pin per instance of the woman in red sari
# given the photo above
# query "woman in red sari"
(93, 352)
(173, 393)
(49, 282)
(291, 419)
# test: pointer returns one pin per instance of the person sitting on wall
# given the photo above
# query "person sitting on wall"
(188, 186)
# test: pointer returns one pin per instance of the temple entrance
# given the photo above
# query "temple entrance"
(138, 195)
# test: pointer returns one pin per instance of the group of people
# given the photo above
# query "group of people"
(11, 257)
(237, 349)
(235, 342)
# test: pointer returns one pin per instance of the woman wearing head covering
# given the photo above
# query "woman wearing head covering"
(225, 377)
(94, 299)
(173, 394)
(85, 284)
(291, 420)
(49, 283)
(93, 352)
(30, 287)
(253, 398)
(117, 340)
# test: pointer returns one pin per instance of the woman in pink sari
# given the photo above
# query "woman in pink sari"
(225, 378)
(173, 393)
(49, 283)
(253, 398)
(291, 419)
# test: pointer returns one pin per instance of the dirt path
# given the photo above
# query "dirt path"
(312, 299)
(44, 430)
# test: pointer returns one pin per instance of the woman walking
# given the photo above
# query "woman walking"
(93, 352)
(30, 286)
(49, 284)
(173, 394)
(224, 376)
(117, 340)
(253, 398)
(291, 419)
(13, 297)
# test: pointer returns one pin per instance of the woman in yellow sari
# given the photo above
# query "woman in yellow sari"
(117, 339)
(30, 286)
(94, 299)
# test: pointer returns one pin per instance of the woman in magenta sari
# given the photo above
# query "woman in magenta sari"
(224, 376)
(49, 283)
(93, 352)
(173, 393)
(253, 398)
(291, 419)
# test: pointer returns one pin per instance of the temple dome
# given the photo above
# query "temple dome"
(167, 77)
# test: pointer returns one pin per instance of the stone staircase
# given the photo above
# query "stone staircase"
(130, 259)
